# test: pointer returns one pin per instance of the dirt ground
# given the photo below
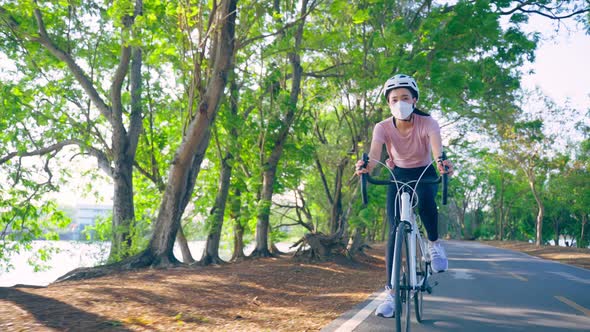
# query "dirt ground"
(273, 294)
(572, 256)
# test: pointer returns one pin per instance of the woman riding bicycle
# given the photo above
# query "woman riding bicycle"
(411, 138)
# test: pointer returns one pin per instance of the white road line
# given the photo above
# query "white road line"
(574, 305)
(517, 276)
(572, 277)
(514, 275)
(360, 316)
(461, 274)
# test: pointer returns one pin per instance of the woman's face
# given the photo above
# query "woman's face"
(400, 94)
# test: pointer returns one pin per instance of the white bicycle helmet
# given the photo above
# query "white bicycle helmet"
(400, 81)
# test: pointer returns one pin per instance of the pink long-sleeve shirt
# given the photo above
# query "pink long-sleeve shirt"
(410, 150)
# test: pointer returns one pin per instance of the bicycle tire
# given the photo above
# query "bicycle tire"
(422, 274)
(401, 281)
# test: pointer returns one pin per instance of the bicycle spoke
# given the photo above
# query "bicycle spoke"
(422, 276)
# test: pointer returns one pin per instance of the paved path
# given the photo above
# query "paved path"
(491, 289)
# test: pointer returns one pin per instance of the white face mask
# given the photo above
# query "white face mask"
(401, 110)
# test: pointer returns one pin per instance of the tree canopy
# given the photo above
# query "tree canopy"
(241, 121)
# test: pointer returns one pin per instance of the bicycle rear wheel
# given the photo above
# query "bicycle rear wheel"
(401, 279)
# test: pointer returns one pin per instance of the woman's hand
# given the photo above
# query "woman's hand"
(440, 164)
(360, 168)
(390, 163)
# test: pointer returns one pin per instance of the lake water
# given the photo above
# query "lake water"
(72, 255)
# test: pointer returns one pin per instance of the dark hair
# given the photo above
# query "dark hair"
(420, 112)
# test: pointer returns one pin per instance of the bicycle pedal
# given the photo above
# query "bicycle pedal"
(429, 287)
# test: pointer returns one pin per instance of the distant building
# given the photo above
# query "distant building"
(84, 215)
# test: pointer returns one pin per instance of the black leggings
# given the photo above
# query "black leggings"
(427, 208)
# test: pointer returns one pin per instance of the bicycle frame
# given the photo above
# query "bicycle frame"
(408, 239)
(408, 217)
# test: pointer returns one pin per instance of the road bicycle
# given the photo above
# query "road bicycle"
(411, 261)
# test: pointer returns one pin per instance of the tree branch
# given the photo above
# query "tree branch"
(78, 73)
(522, 7)
(240, 44)
(324, 180)
(116, 87)
(155, 178)
(102, 158)
(39, 152)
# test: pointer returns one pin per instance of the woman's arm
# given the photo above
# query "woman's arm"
(377, 142)
(436, 144)
(437, 150)
(374, 154)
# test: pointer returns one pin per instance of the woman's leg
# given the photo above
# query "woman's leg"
(391, 218)
(428, 210)
(387, 307)
(429, 216)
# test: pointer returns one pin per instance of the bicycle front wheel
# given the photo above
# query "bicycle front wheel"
(401, 279)
(422, 277)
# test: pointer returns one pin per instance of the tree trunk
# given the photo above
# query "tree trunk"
(262, 223)
(235, 202)
(502, 222)
(354, 243)
(540, 213)
(274, 250)
(539, 237)
(556, 230)
(462, 230)
(320, 246)
(187, 257)
(211, 253)
(238, 252)
(336, 214)
(270, 167)
(505, 222)
(461, 214)
(496, 214)
(123, 209)
(188, 158)
(582, 242)
(502, 214)
(324, 181)
(474, 224)
(123, 142)
(124, 145)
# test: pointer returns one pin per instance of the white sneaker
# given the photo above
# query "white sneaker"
(438, 257)
(387, 308)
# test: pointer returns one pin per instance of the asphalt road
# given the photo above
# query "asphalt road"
(491, 289)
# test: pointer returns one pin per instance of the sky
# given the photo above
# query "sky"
(562, 68)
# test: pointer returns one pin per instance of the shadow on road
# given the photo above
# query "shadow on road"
(55, 314)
